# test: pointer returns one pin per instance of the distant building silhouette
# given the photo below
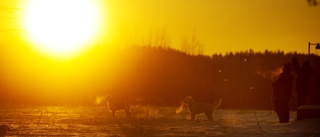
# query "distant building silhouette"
(303, 80)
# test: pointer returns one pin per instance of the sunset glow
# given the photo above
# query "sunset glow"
(159, 68)
(61, 28)
(59, 51)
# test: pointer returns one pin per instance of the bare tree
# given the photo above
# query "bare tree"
(159, 38)
(8, 16)
(192, 45)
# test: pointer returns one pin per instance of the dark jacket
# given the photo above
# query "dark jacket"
(283, 85)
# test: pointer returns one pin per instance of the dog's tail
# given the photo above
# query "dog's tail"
(217, 103)
(179, 109)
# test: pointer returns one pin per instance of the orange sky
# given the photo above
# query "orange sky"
(220, 26)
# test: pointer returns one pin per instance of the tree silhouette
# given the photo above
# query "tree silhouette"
(192, 45)
(312, 2)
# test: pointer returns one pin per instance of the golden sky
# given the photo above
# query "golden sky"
(224, 25)
(220, 25)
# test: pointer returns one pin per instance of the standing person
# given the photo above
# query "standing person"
(282, 93)
(302, 81)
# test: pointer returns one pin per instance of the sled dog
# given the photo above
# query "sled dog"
(197, 108)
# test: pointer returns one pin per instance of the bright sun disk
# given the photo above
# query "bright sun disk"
(61, 28)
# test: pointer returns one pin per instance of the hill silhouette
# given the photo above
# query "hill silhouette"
(165, 76)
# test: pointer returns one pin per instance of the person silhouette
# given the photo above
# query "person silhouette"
(282, 92)
(303, 80)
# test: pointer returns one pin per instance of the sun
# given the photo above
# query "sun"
(61, 28)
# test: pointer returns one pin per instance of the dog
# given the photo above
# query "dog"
(197, 108)
(118, 105)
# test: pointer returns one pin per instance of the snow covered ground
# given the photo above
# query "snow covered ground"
(149, 122)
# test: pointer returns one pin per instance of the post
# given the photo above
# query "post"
(309, 44)
(309, 50)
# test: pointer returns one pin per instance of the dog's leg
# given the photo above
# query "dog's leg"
(193, 116)
(114, 114)
(128, 112)
(209, 116)
(127, 107)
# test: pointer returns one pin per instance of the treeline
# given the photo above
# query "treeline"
(164, 76)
